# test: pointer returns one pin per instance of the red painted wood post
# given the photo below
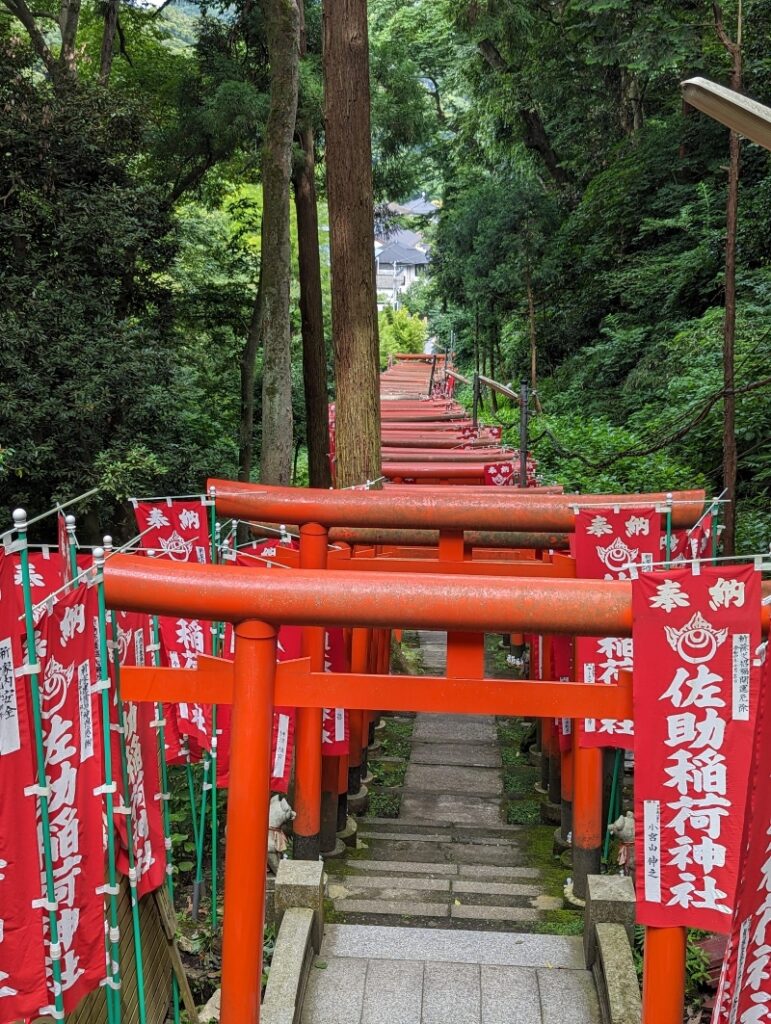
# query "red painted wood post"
(308, 781)
(587, 815)
(663, 976)
(248, 800)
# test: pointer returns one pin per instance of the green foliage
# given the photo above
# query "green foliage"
(400, 331)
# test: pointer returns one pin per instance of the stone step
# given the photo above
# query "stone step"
(470, 755)
(490, 872)
(454, 779)
(420, 915)
(411, 851)
(522, 950)
(461, 831)
(441, 808)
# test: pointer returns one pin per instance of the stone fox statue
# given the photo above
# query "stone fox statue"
(623, 830)
(280, 813)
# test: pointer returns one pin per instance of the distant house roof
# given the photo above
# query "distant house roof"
(419, 207)
(401, 254)
(402, 236)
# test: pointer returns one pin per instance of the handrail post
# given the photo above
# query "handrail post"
(523, 390)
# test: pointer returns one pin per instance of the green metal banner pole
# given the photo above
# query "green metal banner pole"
(669, 531)
(113, 981)
(164, 796)
(42, 790)
(215, 537)
(72, 545)
(114, 647)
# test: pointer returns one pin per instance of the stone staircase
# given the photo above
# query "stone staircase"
(438, 876)
(448, 860)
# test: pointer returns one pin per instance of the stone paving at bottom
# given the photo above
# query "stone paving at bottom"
(385, 975)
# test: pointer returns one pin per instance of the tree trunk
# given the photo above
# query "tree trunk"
(282, 21)
(311, 305)
(247, 369)
(108, 39)
(69, 19)
(352, 238)
(533, 340)
(729, 322)
(311, 311)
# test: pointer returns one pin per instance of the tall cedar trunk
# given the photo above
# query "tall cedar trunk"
(311, 305)
(247, 371)
(282, 21)
(729, 323)
(311, 312)
(108, 39)
(352, 238)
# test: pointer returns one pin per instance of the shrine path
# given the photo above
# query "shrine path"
(440, 917)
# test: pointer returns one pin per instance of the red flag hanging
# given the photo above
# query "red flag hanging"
(335, 729)
(288, 648)
(499, 474)
(72, 735)
(182, 640)
(562, 665)
(23, 986)
(142, 763)
(744, 995)
(608, 542)
(695, 700)
(178, 530)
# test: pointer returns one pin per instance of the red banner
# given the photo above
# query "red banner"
(608, 542)
(72, 736)
(695, 700)
(562, 667)
(744, 995)
(288, 648)
(601, 660)
(142, 763)
(182, 640)
(23, 987)
(334, 727)
(178, 530)
(500, 474)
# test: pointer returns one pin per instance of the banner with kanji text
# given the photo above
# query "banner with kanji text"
(611, 544)
(23, 986)
(744, 995)
(695, 700)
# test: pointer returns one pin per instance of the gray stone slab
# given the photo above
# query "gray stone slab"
(568, 997)
(451, 778)
(335, 995)
(474, 912)
(510, 996)
(458, 946)
(392, 908)
(452, 729)
(415, 837)
(393, 992)
(442, 808)
(474, 854)
(482, 755)
(410, 851)
(493, 872)
(451, 992)
(485, 888)
(399, 883)
(396, 867)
